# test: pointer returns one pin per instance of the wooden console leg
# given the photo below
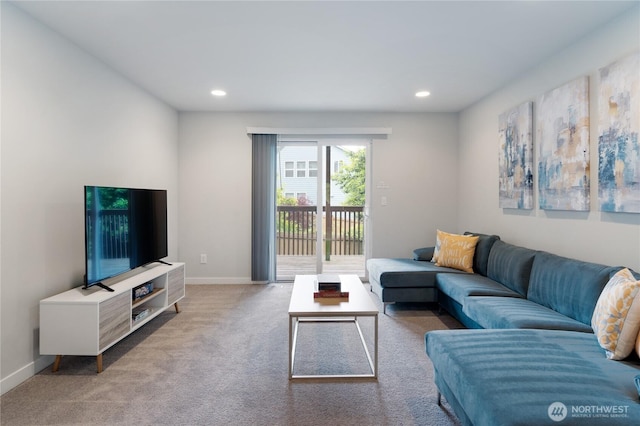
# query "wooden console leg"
(56, 363)
(175, 305)
(99, 362)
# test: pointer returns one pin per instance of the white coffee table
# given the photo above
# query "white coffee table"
(304, 308)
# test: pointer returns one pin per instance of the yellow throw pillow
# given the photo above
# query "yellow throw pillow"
(616, 319)
(456, 251)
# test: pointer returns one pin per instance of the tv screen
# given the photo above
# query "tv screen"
(124, 228)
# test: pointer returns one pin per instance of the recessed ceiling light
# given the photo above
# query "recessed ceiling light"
(422, 94)
(218, 92)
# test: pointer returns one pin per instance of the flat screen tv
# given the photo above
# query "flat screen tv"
(125, 228)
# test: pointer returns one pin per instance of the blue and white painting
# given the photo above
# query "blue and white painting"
(618, 128)
(563, 147)
(515, 157)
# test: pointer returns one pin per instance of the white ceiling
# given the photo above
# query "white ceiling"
(323, 55)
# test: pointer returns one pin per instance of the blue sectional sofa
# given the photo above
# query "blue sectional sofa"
(530, 356)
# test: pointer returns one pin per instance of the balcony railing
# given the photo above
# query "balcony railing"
(296, 228)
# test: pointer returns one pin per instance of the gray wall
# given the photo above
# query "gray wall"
(67, 121)
(610, 238)
(415, 163)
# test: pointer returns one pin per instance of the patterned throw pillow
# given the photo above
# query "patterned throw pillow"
(456, 251)
(616, 319)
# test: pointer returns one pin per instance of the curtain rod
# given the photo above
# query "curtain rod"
(322, 131)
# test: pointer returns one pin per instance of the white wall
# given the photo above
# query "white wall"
(67, 121)
(415, 162)
(609, 238)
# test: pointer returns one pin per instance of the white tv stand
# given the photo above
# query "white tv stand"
(89, 321)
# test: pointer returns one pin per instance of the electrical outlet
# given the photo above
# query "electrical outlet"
(203, 258)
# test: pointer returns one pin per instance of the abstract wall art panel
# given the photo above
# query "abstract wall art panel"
(562, 127)
(618, 128)
(515, 157)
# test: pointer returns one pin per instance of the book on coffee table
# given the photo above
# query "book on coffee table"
(330, 294)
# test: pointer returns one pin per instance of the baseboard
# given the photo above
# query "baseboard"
(25, 373)
(219, 280)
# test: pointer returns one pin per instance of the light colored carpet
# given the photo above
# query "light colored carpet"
(223, 361)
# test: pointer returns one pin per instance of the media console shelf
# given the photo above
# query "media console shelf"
(89, 321)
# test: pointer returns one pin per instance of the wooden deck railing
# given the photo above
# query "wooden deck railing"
(296, 230)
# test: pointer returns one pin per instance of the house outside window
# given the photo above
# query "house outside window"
(298, 171)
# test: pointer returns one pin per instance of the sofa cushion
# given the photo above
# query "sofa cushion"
(460, 286)
(568, 286)
(508, 377)
(483, 248)
(510, 265)
(405, 272)
(511, 312)
(423, 253)
(457, 251)
(616, 318)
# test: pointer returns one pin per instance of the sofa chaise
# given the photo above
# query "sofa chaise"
(536, 377)
(414, 280)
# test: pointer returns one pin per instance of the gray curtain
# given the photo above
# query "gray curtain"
(263, 207)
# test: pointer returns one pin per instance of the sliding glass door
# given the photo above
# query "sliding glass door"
(321, 207)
